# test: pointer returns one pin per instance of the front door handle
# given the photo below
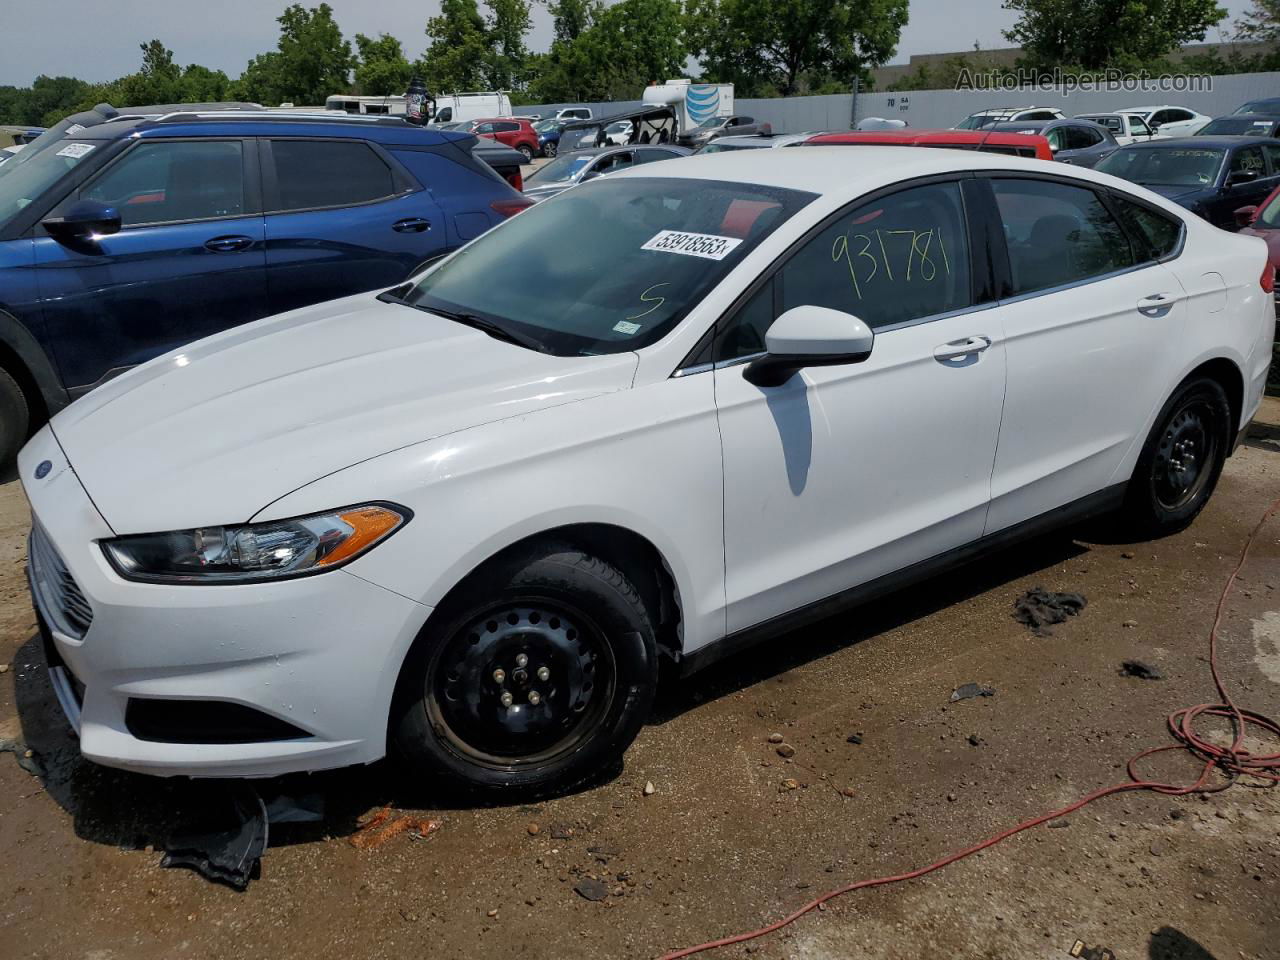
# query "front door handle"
(411, 225)
(958, 349)
(228, 244)
(1157, 305)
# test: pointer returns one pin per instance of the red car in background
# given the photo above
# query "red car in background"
(514, 132)
(1013, 144)
(1264, 221)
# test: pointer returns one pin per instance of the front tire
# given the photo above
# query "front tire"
(534, 676)
(1181, 461)
(15, 418)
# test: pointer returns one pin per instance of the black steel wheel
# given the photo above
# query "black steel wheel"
(533, 676)
(1182, 459)
(521, 684)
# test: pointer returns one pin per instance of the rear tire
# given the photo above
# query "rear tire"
(549, 150)
(15, 418)
(526, 151)
(1181, 461)
(532, 678)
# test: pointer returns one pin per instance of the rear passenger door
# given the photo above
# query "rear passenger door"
(1089, 317)
(342, 217)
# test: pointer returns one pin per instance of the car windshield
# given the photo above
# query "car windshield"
(1269, 215)
(562, 169)
(1161, 165)
(713, 122)
(1236, 127)
(630, 258)
(1257, 106)
(978, 120)
(542, 126)
(719, 146)
(23, 183)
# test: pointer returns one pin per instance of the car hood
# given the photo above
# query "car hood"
(1176, 191)
(542, 193)
(214, 432)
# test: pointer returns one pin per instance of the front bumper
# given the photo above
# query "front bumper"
(320, 653)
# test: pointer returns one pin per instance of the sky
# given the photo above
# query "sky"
(97, 40)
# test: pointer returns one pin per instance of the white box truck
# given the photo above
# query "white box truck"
(460, 107)
(693, 103)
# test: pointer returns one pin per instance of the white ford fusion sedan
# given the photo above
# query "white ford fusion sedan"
(665, 414)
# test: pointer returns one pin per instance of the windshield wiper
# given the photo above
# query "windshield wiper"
(483, 324)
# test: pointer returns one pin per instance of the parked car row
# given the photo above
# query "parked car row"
(124, 239)
(466, 513)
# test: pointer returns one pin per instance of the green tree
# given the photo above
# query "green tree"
(570, 18)
(312, 60)
(202, 85)
(509, 59)
(381, 67)
(457, 57)
(1260, 22)
(1102, 34)
(779, 45)
(49, 99)
(627, 46)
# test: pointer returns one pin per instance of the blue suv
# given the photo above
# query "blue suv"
(132, 237)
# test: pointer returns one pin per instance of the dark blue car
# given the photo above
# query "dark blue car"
(1210, 176)
(135, 236)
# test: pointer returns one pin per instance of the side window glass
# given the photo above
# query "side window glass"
(744, 336)
(328, 173)
(1057, 234)
(1273, 157)
(1156, 233)
(900, 258)
(1139, 126)
(1248, 159)
(165, 182)
(1056, 139)
(444, 115)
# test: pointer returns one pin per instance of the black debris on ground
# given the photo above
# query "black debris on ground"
(1143, 671)
(590, 889)
(971, 690)
(854, 738)
(1039, 608)
(228, 849)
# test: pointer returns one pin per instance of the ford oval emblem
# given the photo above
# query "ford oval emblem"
(42, 470)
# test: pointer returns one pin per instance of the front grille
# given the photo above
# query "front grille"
(56, 592)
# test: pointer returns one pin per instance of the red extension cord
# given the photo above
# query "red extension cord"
(1234, 761)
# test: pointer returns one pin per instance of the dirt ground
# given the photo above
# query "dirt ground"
(723, 844)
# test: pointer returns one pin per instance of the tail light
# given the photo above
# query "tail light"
(1268, 278)
(509, 208)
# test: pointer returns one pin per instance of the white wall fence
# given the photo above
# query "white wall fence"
(927, 109)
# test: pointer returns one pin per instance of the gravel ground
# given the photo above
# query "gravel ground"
(733, 834)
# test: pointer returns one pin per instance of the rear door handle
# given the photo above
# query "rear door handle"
(411, 225)
(957, 349)
(228, 244)
(1157, 305)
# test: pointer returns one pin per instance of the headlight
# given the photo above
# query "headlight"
(254, 552)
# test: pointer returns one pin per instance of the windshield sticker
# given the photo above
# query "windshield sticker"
(76, 150)
(622, 326)
(705, 245)
(74, 129)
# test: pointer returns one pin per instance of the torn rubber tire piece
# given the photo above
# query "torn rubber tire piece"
(229, 851)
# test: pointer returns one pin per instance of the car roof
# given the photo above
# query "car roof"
(1198, 142)
(993, 135)
(1253, 117)
(617, 148)
(381, 129)
(836, 170)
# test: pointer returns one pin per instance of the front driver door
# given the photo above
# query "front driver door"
(187, 262)
(846, 473)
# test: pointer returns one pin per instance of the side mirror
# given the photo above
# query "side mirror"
(1236, 177)
(809, 336)
(1246, 215)
(84, 219)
